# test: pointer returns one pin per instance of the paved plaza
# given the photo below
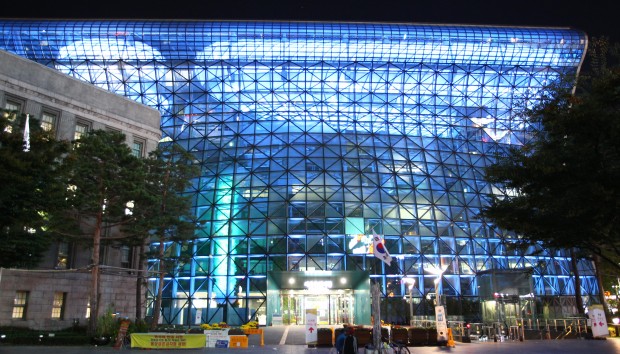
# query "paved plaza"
(290, 339)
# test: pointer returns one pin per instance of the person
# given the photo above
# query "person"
(350, 342)
(340, 340)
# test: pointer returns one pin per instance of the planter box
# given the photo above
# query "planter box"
(432, 337)
(418, 337)
(400, 334)
(364, 336)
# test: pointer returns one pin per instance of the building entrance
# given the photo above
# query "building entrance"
(337, 296)
(332, 308)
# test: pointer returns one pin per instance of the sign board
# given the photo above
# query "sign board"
(216, 335)
(221, 343)
(122, 333)
(441, 323)
(311, 328)
(596, 317)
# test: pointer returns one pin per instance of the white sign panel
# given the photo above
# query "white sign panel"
(441, 323)
(311, 328)
(598, 322)
(214, 335)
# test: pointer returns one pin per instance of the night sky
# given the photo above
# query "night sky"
(595, 17)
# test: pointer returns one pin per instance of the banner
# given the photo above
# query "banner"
(168, 340)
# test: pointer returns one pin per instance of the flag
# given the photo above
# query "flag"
(379, 250)
(27, 134)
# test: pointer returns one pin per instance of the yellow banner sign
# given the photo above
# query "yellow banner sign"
(168, 340)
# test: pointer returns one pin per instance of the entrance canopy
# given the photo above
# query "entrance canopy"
(353, 285)
(331, 280)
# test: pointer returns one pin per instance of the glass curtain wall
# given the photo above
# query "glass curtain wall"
(313, 136)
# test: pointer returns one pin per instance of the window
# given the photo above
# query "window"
(81, 128)
(58, 307)
(13, 108)
(62, 258)
(137, 148)
(20, 304)
(48, 121)
(13, 105)
(125, 256)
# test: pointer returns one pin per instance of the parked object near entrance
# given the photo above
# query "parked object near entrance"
(363, 335)
(324, 337)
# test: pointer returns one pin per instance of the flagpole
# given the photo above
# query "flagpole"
(27, 134)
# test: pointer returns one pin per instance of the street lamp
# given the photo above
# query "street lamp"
(410, 282)
(438, 271)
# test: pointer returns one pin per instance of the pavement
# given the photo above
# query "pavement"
(291, 339)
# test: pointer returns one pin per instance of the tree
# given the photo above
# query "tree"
(29, 189)
(102, 177)
(163, 211)
(563, 187)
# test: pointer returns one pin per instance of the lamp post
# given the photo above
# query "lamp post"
(437, 295)
(410, 283)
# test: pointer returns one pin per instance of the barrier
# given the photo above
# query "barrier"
(238, 342)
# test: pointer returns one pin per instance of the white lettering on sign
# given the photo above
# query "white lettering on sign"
(313, 284)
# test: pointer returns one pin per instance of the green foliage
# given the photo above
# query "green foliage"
(107, 325)
(103, 177)
(163, 210)
(163, 207)
(30, 188)
(565, 185)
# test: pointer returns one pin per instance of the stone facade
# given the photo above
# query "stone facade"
(64, 271)
(118, 291)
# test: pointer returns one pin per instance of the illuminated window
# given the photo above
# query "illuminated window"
(13, 107)
(81, 128)
(20, 304)
(58, 307)
(62, 258)
(48, 121)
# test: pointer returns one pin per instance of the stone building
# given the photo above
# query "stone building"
(56, 294)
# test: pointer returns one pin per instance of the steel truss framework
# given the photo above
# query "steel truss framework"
(312, 136)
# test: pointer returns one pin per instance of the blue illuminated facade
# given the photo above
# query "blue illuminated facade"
(312, 136)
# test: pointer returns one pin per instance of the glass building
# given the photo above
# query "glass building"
(313, 137)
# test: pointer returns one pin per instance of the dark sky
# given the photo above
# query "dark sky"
(595, 17)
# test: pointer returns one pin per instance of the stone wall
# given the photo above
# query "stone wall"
(117, 290)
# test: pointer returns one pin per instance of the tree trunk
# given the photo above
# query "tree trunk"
(162, 264)
(140, 278)
(94, 290)
(160, 285)
(577, 276)
(601, 290)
